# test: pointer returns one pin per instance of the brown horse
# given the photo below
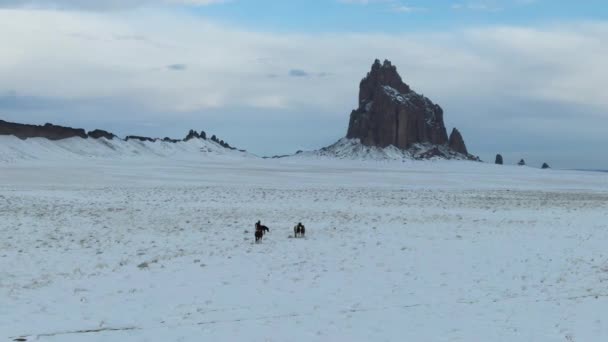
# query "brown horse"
(259, 234)
(259, 226)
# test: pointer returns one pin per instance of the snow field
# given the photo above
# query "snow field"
(157, 250)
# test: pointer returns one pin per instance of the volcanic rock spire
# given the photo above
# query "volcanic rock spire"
(391, 113)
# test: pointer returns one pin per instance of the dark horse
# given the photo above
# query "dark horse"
(259, 226)
(299, 230)
(260, 230)
(258, 235)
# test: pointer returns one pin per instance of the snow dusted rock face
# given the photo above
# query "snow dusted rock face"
(390, 113)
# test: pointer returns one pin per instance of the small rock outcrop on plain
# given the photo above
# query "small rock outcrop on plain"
(521, 163)
(546, 166)
(390, 113)
(499, 160)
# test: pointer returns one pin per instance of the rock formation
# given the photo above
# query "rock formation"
(222, 143)
(456, 142)
(98, 134)
(48, 131)
(546, 166)
(391, 113)
(192, 135)
(140, 138)
(521, 163)
(169, 140)
(498, 160)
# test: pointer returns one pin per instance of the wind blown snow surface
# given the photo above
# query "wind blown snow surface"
(161, 249)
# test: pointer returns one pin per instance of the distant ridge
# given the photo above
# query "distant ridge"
(54, 132)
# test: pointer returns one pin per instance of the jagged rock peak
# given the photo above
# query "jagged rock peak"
(456, 142)
(384, 74)
(546, 166)
(192, 135)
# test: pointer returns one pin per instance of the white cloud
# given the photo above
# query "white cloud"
(407, 9)
(97, 54)
(491, 5)
(392, 5)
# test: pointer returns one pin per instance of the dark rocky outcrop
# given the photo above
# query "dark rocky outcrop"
(499, 160)
(222, 143)
(278, 156)
(456, 142)
(169, 140)
(391, 113)
(546, 166)
(99, 133)
(521, 163)
(192, 135)
(48, 131)
(139, 138)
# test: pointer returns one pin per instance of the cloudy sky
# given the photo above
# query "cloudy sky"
(526, 78)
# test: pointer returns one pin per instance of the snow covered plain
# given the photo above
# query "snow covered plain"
(157, 248)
